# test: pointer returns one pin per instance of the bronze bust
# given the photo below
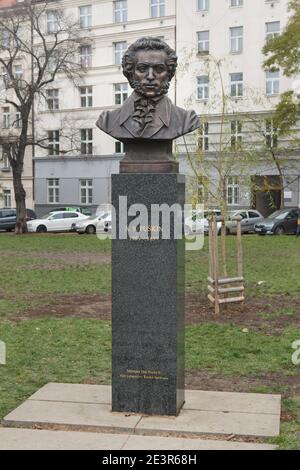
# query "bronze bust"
(148, 114)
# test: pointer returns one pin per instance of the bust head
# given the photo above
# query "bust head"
(149, 65)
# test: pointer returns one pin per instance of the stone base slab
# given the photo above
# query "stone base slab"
(89, 407)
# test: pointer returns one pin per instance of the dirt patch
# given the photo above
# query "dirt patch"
(286, 385)
(267, 316)
(55, 260)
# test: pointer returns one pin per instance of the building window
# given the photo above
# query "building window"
(52, 99)
(236, 3)
(272, 29)
(7, 198)
(271, 134)
(203, 42)
(52, 22)
(120, 11)
(203, 5)
(236, 84)
(203, 87)
(53, 145)
(272, 83)
(18, 72)
(120, 49)
(87, 141)
(5, 39)
(157, 8)
(18, 123)
(236, 134)
(86, 191)
(5, 160)
(203, 140)
(86, 56)
(85, 16)
(53, 191)
(236, 40)
(86, 96)
(233, 191)
(6, 118)
(121, 92)
(119, 147)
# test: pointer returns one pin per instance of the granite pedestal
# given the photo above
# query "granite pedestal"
(148, 303)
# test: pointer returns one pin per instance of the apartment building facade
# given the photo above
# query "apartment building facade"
(219, 46)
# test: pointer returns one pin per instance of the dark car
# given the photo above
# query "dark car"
(280, 222)
(8, 218)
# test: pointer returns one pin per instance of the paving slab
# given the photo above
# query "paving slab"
(213, 422)
(28, 439)
(77, 393)
(205, 412)
(66, 413)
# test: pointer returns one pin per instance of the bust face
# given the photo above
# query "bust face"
(151, 73)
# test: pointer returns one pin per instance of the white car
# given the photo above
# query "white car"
(200, 218)
(62, 221)
(93, 223)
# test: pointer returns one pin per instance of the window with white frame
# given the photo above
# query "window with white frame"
(86, 141)
(120, 92)
(7, 198)
(52, 97)
(203, 140)
(53, 63)
(5, 39)
(236, 3)
(233, 191)
(203, 5)
(52, 21)
(157, 8)
(203, 87)
(18, 72)
(18, 122)
(119, 147)
(6, 117)
(85, 16)
(86, 56)
(236, 134)
(5, 160)
(53, 142)
(86, 191)
(272, 83)
(86, 96)
(120, 11)
(272, 30)
(236, 39)
(119, 48)
(203, 42)
(53, 190)
(271, 134)
(236, 84)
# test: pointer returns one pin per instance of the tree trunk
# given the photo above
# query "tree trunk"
(20, 197)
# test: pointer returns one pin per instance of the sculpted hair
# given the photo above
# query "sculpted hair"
(147, 44)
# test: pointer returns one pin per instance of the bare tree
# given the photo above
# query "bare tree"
(36, 44)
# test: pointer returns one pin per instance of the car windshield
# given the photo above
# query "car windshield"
(278, 215)
(46, 216)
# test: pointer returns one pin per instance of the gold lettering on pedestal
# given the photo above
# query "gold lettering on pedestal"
(144, 374)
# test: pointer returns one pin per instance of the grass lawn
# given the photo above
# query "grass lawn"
(41, 275)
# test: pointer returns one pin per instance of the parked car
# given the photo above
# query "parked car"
(8, 218)
(90, 225)
(55, 222)
(202, 222)
(82, 210)
(249, 219)
(280, 222)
